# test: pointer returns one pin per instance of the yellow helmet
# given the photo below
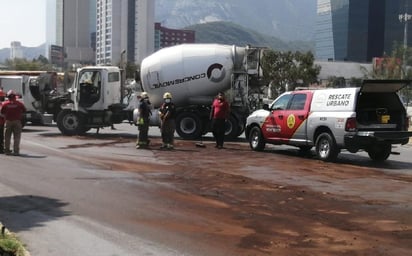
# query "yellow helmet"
(144, 95)
(167, 95)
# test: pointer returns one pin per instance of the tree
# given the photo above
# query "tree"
(285, 70)
(395, 66)
(131, 69)
(23, 64)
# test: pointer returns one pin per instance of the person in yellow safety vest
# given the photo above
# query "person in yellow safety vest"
(167, 113)
(143, 121)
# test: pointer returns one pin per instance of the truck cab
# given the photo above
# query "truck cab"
(95, 101)
(370, 118)
(283, 122)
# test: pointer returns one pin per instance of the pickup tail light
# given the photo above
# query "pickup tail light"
(350, 125)
(407, 122)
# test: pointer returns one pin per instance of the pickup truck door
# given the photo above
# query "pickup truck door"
(272, 126)
(294, 118)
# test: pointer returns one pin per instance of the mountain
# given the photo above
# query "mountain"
(288, 20)
(28, 52)
(230, 33)
(268, 22)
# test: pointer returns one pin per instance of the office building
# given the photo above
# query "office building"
(16, 52)
(359, 30)
(125, 31)
(78, 27)
(165, 37)
(70, 29)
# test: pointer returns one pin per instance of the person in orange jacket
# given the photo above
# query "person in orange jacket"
(13, 111)
(2, 98)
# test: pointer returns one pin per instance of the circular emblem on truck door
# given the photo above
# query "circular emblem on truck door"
(291, 121)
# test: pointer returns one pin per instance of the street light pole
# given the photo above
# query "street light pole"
(123, 73)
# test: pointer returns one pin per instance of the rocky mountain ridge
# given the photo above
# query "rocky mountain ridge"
(288, 20)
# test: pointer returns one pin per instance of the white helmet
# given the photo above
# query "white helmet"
(167, 95)
(144, 95)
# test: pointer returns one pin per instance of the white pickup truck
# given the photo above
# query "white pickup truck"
(371, 118)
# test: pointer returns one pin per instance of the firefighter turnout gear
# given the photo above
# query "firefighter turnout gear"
(167, 113)
(143, 121)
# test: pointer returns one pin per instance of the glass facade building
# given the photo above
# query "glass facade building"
(359, 30)
(125, 31)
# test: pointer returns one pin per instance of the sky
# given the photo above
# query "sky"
(24, 21)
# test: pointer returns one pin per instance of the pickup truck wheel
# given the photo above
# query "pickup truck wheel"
(70, 123)
(188, 126)
(256, 140)
(326, 148)
(380, 153)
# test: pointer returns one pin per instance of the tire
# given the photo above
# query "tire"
(380, 153)
(241, 129)
(189, 126)
(70, 123)
(256, 140)
(326, 148)
(231, 128)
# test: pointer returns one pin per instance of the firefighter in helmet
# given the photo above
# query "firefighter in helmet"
(167, 113)
(143, 121)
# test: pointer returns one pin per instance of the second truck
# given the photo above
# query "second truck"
(192, 73)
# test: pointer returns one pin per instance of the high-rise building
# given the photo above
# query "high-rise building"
(125, 31)
(16, 52)
(71, 26)
(359, 30)
(165, 37)
(54, 24)
(77, 34)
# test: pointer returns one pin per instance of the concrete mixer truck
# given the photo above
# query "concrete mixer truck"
(194, 74)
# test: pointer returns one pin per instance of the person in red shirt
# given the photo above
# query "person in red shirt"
(2, 98)
(219, 114)
(13, 111)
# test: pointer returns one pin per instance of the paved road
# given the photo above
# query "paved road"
(98, 195)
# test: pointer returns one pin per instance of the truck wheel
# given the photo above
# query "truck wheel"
(231, 128)
(380, 153)
(256, 140)
(188, 126)
(70, 123)
(241, 129)
(326, 148)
